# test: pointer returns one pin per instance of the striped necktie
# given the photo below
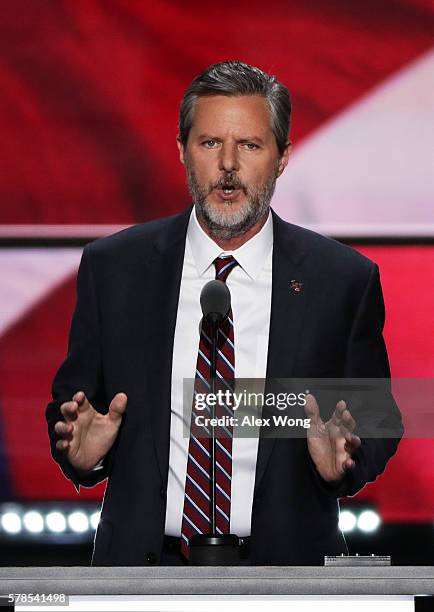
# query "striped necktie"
(196, 518)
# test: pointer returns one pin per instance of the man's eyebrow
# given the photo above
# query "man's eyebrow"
(242, 140)
(207, 137)
(251, 139)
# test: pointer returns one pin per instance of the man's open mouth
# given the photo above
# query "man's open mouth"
(228, 192)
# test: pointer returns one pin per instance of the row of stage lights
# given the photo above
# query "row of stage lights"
(55, 522)
(19, 520)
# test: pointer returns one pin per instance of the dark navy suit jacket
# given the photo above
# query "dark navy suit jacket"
(121, 339)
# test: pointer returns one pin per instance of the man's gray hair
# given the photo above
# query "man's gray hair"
(236, 78)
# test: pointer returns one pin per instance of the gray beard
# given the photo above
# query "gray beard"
(230, 224)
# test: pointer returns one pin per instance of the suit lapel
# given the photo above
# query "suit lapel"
(164, 279)
(288, 303)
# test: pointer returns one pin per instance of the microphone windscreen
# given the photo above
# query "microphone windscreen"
(215, 299)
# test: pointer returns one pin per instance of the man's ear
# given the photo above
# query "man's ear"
(180, 149)
(284, 158)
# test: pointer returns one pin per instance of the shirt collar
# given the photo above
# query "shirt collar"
(251, 256)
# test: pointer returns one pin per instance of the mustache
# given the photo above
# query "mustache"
(228, 181)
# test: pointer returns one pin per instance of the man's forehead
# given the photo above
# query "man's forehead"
(231, 112)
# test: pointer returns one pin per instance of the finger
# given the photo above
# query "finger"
(69, 410)
(62, 445)
(338, 432)
(337, 413)
(352, 443)
(63, 429)
(79, 397)
(348, 420)
(311, 410)
(344, 434)
(348, 465)
(82, 401)
(117, 406)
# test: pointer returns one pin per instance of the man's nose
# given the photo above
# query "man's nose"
(228, 158)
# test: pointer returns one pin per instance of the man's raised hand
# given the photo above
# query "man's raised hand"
(331, 444)
(86, 435)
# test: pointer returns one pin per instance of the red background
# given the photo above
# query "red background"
(88, 114)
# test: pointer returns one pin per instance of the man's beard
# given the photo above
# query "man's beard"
(231, 223)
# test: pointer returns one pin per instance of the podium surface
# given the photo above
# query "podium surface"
(255, 580)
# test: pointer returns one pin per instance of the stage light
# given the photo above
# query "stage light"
(11, 522)
(33, 521)
(55, 522)
(78, 522)
(94, 519)
(347, 521)
(368, 521)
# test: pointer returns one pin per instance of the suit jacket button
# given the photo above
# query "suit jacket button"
(151, 558)
(163, 492)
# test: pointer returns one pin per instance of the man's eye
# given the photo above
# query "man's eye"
(210, 144)
(251, 146)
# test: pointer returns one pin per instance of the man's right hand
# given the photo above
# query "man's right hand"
(86, 435)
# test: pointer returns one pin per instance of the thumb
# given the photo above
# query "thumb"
(311, 410)
(117, 406)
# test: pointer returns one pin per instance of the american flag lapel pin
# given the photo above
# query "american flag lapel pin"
(296, 285)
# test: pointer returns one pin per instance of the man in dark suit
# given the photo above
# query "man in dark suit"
(113, 413)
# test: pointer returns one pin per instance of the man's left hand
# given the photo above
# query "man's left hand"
(331, 444)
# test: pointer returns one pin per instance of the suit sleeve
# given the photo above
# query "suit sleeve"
(81, 370)
(367, 358)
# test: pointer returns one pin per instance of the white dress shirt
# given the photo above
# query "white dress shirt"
(250, 287)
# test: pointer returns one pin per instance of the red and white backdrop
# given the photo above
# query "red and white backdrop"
(89, 98)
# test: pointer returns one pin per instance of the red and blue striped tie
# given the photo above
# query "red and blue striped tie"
(196, 518)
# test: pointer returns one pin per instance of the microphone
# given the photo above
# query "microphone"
(215, 300)
(213, 548)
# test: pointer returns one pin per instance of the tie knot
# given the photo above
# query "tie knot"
(223, 266)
